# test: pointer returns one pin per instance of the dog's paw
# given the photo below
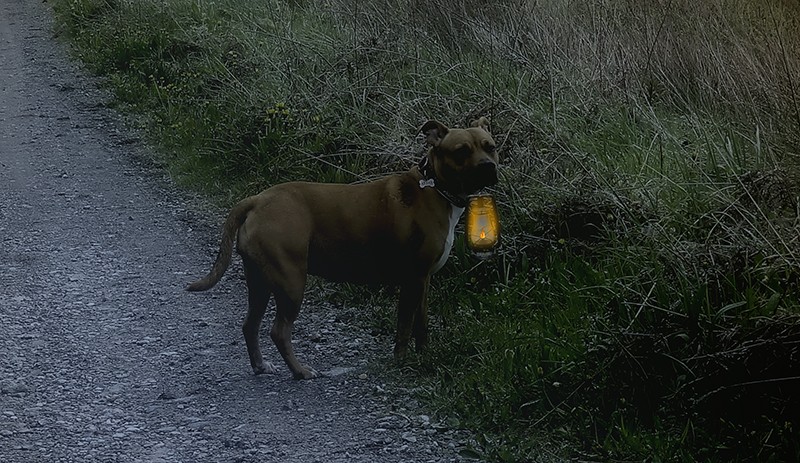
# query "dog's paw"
(265, 367)
(306, 372)
(400, 352)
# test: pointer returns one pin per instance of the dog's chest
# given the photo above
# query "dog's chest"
(455, 214)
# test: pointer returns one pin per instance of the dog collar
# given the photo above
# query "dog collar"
(429, 180)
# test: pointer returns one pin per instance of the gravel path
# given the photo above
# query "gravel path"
(103, 355)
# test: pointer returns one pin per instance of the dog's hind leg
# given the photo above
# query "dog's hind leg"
(257, 297)
(287, 301)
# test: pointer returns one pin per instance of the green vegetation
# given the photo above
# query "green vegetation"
(645, 303)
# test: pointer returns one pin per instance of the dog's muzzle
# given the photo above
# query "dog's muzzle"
(486, 173)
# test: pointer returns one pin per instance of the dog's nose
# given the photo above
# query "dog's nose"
(487, 170)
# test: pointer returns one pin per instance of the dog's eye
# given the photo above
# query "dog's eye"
(462, 152)
(490, 148)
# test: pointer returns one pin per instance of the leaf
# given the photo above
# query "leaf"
(470, 454)
(723, 311)
(772, 303)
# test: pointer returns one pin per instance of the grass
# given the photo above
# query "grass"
(644, 305)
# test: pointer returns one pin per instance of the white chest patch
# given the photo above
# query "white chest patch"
(455, 214)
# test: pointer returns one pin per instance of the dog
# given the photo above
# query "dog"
(397, 230)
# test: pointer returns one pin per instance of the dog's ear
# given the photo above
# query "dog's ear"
(434, 132)
(483, 123)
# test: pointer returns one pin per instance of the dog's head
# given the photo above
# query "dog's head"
(464, 160)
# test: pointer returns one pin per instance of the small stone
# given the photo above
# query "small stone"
(453, 422)
(288, 406)
(115, 388)
(338, 371)
(362, 376)
(408, 437)
(198, 425)
(13, 388)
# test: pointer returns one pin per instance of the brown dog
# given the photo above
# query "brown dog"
(396, 230)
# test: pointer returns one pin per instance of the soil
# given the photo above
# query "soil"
(103, 355)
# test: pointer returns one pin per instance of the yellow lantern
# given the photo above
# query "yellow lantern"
(483, 225)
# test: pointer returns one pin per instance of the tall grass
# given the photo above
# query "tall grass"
(645, 302)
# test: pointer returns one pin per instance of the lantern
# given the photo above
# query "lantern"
(483, 225)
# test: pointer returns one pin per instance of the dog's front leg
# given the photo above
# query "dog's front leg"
(411, 315)
(420, 326)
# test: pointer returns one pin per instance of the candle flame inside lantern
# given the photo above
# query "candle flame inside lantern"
(483, 224)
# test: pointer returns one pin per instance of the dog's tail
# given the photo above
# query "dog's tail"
(235, 220)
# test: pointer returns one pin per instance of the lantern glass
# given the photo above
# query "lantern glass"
(483, 224)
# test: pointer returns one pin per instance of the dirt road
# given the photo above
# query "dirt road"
(103, 356)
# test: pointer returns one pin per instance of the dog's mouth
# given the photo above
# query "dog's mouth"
(482, 176)
(469, 181)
